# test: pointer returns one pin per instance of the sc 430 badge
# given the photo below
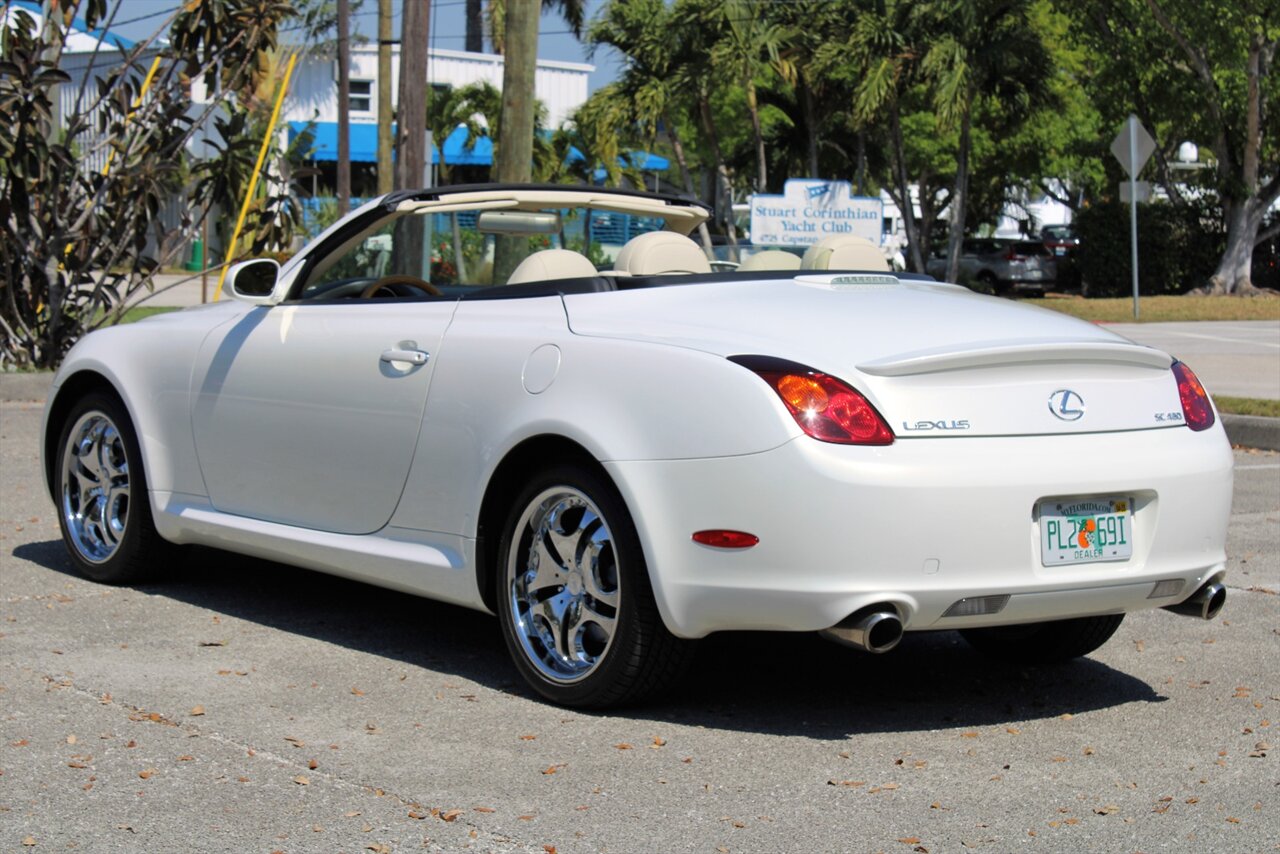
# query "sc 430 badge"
(925, 426)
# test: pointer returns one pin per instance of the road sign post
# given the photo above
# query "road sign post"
(1133, 147)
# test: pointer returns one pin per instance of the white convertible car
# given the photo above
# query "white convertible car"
(444, 396)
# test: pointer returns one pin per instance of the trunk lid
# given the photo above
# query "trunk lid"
(936, 360)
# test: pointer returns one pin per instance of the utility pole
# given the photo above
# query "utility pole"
(411, 124)
(386, 179)
(344, 106)
(515, 136)
(412, 258)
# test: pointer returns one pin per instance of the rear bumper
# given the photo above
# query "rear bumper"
(921, 524)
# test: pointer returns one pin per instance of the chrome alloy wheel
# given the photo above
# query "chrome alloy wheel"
(563, 583)
(95, 487)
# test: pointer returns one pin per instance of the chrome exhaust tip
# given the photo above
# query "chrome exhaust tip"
(1206, 603)
(874, 631)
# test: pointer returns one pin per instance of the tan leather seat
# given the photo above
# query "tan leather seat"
(659, 252)
(844, 252)
(550, 264)
(771, 259)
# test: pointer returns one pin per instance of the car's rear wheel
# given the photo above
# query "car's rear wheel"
(1044, 643)
(577, 611)
(102, 494)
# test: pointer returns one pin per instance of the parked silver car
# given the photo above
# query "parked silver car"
(1000, 266)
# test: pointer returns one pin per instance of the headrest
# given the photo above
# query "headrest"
(659, 252)
(551, 264)
(771, 259)
(844, 252)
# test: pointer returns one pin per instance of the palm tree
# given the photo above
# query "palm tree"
(573, 12)
(448, 109)
(748, 44)
(645, 32)
(880, 58)
(986, 49)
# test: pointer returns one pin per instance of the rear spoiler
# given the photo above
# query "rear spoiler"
(993, 353)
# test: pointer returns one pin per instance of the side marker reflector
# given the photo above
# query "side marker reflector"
(718, 539)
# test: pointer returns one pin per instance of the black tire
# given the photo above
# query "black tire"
(1044, 643)
(987, 281)
(103, 506)
(620, 652)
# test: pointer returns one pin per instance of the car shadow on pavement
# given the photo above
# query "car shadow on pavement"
(769, 682)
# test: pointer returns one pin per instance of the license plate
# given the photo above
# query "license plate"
(1086, 530)
(1033, 274)
(1059, 250)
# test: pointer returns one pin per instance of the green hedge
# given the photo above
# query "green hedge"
(1178, 248)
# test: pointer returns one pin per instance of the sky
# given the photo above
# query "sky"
(448, 29)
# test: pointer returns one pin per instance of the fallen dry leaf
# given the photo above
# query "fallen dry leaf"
(196, 711)
(313, 764)
(301, 780)
(71, 739)
(186, 758)
(147, 774)
(554, 768)
(29, 841)
(1109, 809)
(623, 746)
(484, 809)
(528, 737)
(550, 849)
(357, 692)
(417, 815)
(658, 741)
(213, 643)
(849, 783)
(296, 742)
(909, 840)
(450, 815)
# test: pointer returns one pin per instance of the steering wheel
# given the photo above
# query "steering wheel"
(401, 286)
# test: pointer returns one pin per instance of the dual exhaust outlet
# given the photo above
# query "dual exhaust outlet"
(1206, 603)
(875, 629)
(878, 628)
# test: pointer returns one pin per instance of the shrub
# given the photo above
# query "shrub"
(1178, 247)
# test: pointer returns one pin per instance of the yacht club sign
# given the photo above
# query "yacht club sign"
(809, 210)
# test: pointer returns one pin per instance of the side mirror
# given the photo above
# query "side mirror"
(253, 281)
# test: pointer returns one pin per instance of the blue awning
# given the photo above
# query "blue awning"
(364, 144)
(364, 147)
(643, 160)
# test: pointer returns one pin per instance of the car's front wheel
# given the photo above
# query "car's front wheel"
(577, 611)
(1044, 643)
(102, 494)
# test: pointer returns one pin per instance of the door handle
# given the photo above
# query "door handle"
(413, 357)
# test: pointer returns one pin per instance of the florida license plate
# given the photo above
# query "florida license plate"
(1086, 531)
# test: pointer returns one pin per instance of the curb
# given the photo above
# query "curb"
(1251, 431)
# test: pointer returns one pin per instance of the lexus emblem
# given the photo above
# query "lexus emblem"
(1066, 405)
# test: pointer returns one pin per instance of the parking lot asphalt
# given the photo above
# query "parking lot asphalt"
(247, 706)
(1240, 358)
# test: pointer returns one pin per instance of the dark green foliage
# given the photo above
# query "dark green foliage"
(1178, 248)
(80, 242)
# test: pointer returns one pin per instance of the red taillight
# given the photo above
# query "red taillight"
(823, 406)
(1197, 409)
(726, 539)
